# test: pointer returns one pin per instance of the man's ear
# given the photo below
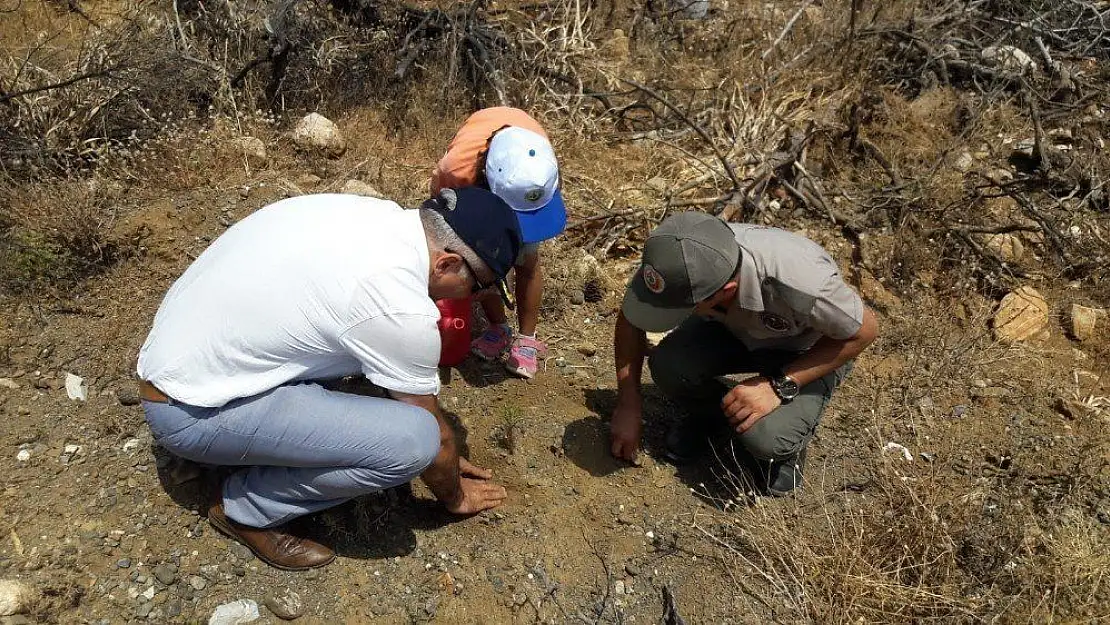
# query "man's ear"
(448, 262)
(728, 291)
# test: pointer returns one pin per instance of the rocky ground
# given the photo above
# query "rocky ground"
(103, 527)
(961, 474)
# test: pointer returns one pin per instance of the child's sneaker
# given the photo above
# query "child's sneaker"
(524, 356)
(493, 343)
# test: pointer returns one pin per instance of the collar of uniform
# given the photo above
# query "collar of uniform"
(749, 294)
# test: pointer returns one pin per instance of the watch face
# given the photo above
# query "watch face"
(787, 388)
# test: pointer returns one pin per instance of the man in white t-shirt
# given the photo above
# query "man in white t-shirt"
(311, 288)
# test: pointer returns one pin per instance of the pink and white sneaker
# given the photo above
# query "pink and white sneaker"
(493, 343)
(523, 359)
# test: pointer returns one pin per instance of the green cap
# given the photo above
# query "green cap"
(687, 259)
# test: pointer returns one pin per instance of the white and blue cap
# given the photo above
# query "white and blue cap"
(521, 170)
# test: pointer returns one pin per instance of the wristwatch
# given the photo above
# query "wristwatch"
(785, 387)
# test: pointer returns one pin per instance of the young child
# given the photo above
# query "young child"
(507, 151)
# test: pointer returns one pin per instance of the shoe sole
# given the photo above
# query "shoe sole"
(228, 531)
(522, 373)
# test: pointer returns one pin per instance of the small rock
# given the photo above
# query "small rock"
(76, 388)
(1084, 320)
(8, 383)
(252, 148)
(143, 610)
(1007, 246)
(892, 447)
(149, 593)
(358, 187)
(587, 349)
(241, 552)
(124, 563)
(1022, 316)
(964, 162)
(1008, 58)
(316, 132)
(197, 582)
(127, 396)
(286, 604)
(578, 298)
(15, 597)
(165, 573)
(24, 455)
(132, 444)
(618, 587)
(631, 569)
(235, 613)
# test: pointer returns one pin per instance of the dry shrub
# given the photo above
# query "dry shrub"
(912, 546)
(889, 554)
(56, 232)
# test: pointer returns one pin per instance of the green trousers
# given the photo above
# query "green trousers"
(691, 366)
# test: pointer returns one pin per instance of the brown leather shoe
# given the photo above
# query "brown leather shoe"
(274, 546)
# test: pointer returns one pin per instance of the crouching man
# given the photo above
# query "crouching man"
(745, 299)
(312, 288)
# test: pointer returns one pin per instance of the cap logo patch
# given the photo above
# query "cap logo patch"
(773, 322)
(653, 280)
(533, 195)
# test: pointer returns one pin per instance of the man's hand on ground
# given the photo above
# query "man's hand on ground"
(748, 402)
(468, 470)
(478, 495)
(625, 430)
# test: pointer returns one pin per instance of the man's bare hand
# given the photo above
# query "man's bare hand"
(748, 402)
(625, 430)
(468, 470)
(478, 495)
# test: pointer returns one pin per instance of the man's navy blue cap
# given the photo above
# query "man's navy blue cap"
(487, 225)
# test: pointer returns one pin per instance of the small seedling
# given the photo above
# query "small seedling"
(512, 419)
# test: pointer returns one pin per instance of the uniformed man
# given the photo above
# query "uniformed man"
(741, 299)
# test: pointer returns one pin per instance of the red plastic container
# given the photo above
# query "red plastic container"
(454, 330)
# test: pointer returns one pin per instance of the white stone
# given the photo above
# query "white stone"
(1008, 58)
(15, 597)
(75, 387)
(964, 162)
(1007, 246)
(358, 187)
(132, 444)
(253, 149)
(8, 383)
(235, 613)
(1084, 321)
(618, 587)
(24, 455)
(148, 594)
(72, 449)
(316, 132)
(892, 447)
(1022, 316)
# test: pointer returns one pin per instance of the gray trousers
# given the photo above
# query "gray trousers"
(303, 448)
(688, 366)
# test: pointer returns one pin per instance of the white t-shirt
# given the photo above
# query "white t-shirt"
(312, 287)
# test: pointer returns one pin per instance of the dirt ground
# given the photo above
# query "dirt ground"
(954, 478)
